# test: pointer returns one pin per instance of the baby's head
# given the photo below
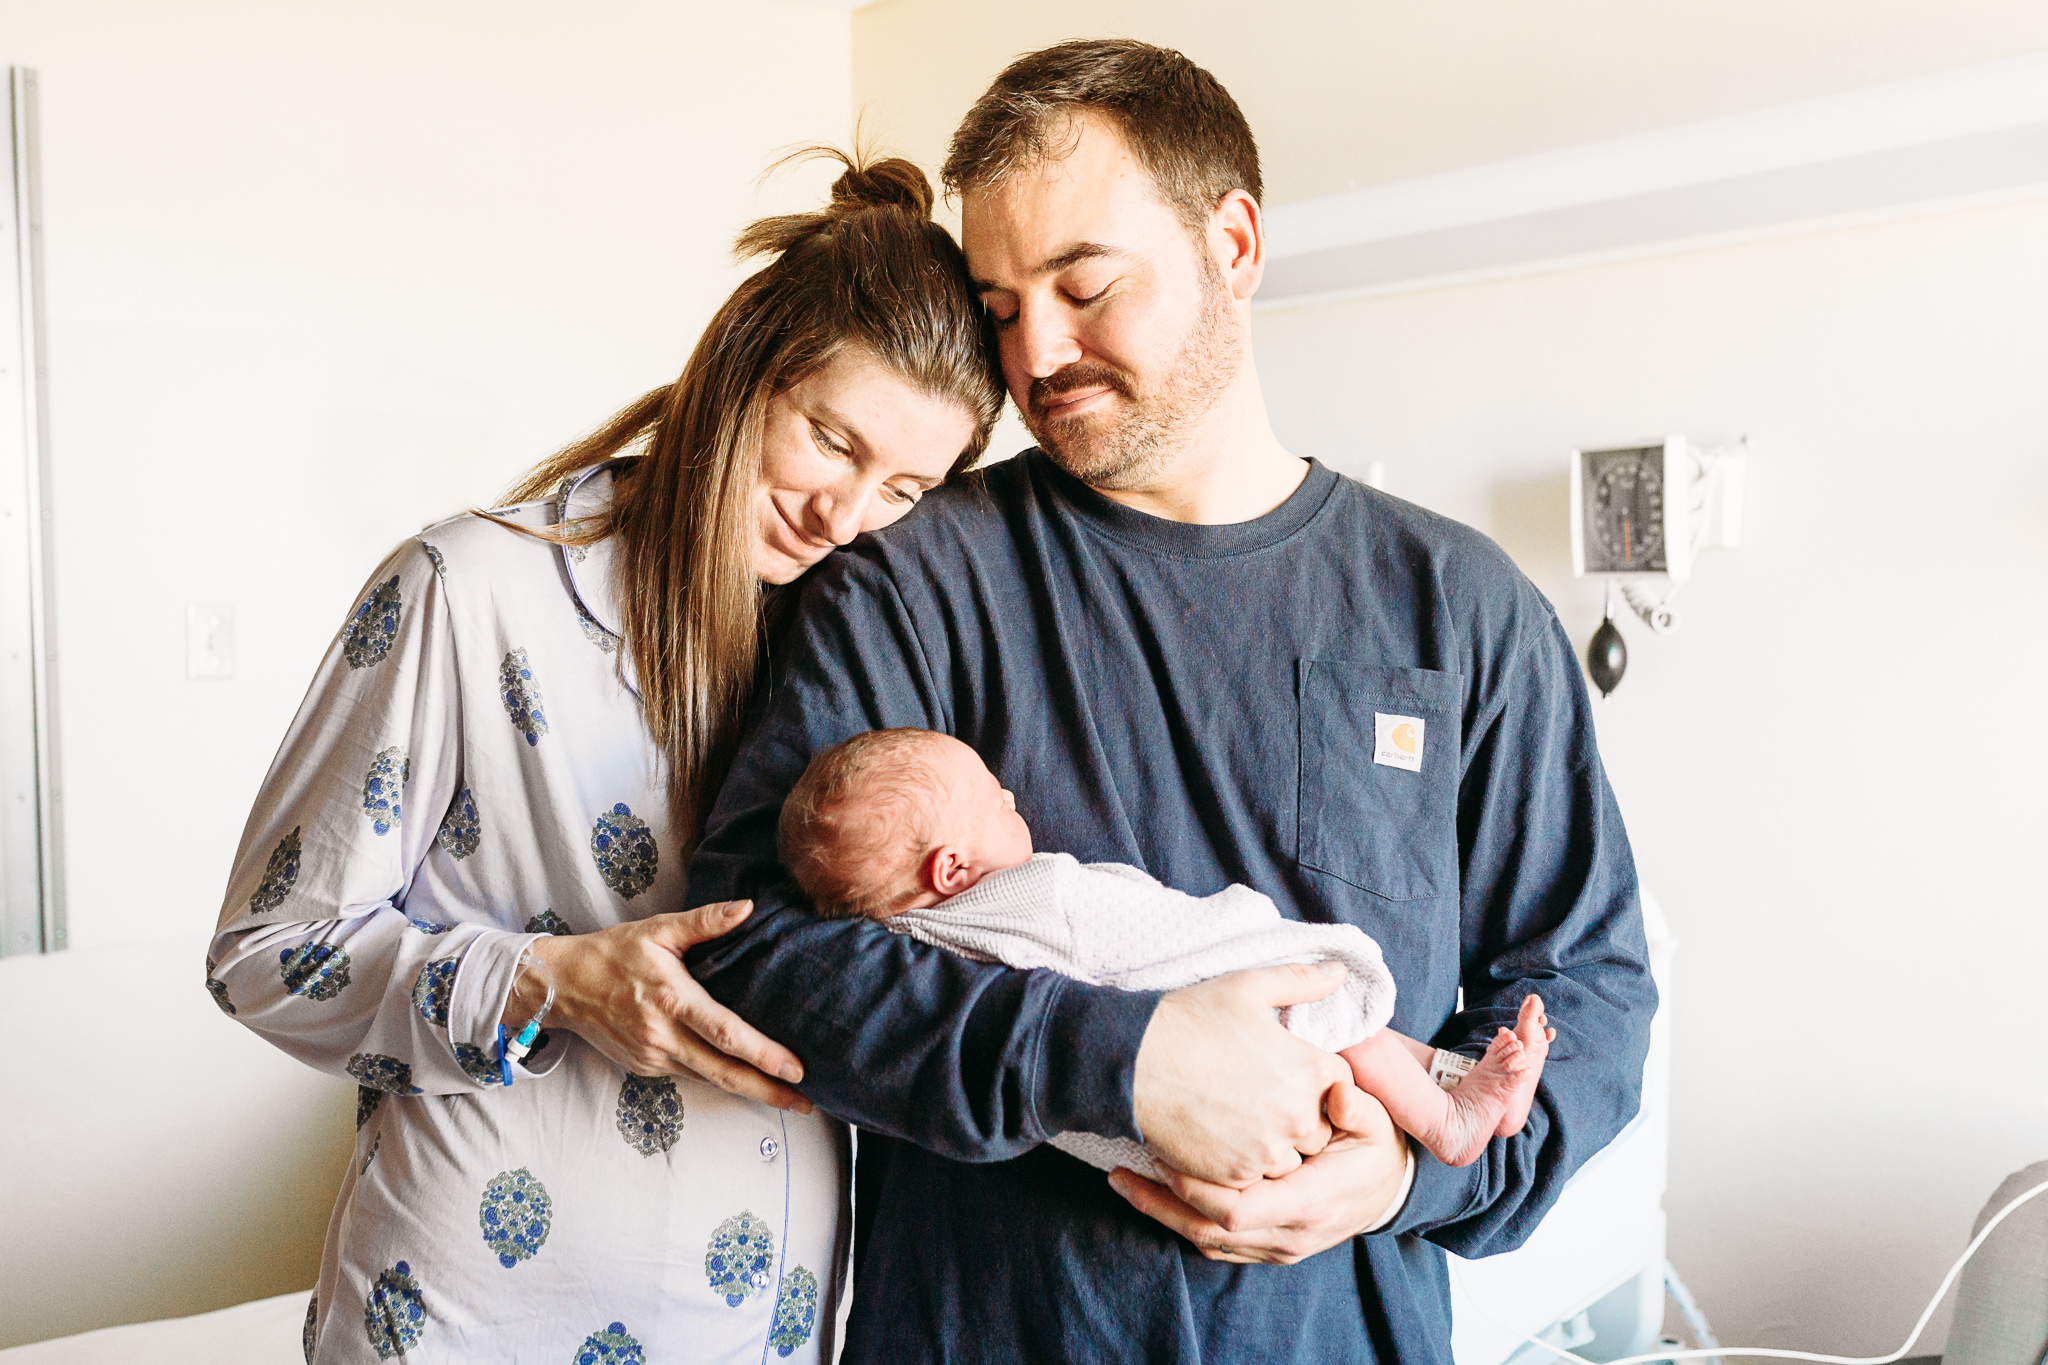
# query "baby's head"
(895, 820)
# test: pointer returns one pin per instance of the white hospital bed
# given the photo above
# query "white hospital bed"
(266, 1332)
(1591, 1277)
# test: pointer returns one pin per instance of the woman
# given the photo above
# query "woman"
(479, 824)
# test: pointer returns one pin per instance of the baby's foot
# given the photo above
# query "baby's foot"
(1476, 1107)
(1532, 1027)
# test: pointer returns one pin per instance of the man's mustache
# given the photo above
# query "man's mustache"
(1080, 375)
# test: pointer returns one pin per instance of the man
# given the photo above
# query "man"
(1182, 648)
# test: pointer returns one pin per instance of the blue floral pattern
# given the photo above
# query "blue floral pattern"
(394, 1312)
(796, 1311)
(625, 851)
(278, 875)
(460, 827)
(384, 789)
(650, 1113)
(515, 1216)
(379, 1072)
(478, 1065)
(432, 988)
(312, 1322)
(741, 1254)
(317, 971)
(593, 630)
(367, 637)
(612, 1346)
(431, 1090)
(521, 696)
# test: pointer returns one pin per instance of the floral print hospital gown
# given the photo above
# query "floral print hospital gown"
(469, 771)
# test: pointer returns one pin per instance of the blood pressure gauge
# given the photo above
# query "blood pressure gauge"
(1629, 510)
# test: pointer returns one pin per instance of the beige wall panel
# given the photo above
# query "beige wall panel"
(1343, 95)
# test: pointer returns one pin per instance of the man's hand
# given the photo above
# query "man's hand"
(1221, 1090)
(1331, 1198)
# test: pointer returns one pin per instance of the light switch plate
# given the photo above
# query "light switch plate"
(209, 641)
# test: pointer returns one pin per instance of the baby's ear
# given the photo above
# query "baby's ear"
(945, 871)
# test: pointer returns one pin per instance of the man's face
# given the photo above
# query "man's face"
(1116, 329)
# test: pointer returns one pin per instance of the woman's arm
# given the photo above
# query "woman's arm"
(312, 951)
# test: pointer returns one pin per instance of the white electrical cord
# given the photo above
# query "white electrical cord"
(1562, 1354)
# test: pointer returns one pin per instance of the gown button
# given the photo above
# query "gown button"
(770, 1149)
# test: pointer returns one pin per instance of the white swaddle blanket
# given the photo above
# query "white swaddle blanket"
(1112, 925)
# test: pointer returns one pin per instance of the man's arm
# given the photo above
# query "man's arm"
(1549, 905)
(896, 1036)
(974, 1061)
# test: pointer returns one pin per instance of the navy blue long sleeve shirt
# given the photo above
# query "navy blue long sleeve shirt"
(1201, 702)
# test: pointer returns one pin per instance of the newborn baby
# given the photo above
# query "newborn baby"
(909, 828)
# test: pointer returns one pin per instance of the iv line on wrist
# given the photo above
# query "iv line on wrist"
(514, 1045)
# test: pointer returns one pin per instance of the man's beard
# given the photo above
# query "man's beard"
(1128, 449)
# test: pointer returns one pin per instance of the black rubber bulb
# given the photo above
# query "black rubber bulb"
(1607, 657)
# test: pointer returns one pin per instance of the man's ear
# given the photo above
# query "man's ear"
(1237, 240)
(945, 871)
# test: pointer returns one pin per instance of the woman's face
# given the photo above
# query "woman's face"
(850, 449)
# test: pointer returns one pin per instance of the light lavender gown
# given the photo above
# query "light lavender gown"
(471, 770)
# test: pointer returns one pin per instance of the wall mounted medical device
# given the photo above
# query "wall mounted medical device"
(1640, 515)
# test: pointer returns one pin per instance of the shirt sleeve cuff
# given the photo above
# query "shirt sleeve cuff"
(1401, 1195)
(1088, 1058)
(483, 987)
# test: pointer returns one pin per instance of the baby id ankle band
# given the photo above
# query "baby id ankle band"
(1448, 1068)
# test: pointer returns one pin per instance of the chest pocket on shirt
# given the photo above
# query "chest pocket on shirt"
(1386, 829)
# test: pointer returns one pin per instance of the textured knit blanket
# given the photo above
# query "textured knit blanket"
(1112, 925)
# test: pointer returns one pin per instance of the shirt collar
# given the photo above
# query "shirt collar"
(592, 568)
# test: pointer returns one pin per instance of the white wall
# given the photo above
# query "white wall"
(1831, 774)
(156, 1158)
(317, 275)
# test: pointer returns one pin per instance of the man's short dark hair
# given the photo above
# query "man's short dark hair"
(1179, 122)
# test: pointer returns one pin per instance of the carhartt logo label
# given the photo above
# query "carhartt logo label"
(1397, 741)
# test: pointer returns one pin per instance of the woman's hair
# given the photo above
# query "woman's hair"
(870, 274)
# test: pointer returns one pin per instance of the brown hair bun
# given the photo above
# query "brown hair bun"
(889, 183)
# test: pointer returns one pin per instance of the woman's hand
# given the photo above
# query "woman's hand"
(625, 991)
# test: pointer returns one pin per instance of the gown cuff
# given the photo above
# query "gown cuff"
(483, 987)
